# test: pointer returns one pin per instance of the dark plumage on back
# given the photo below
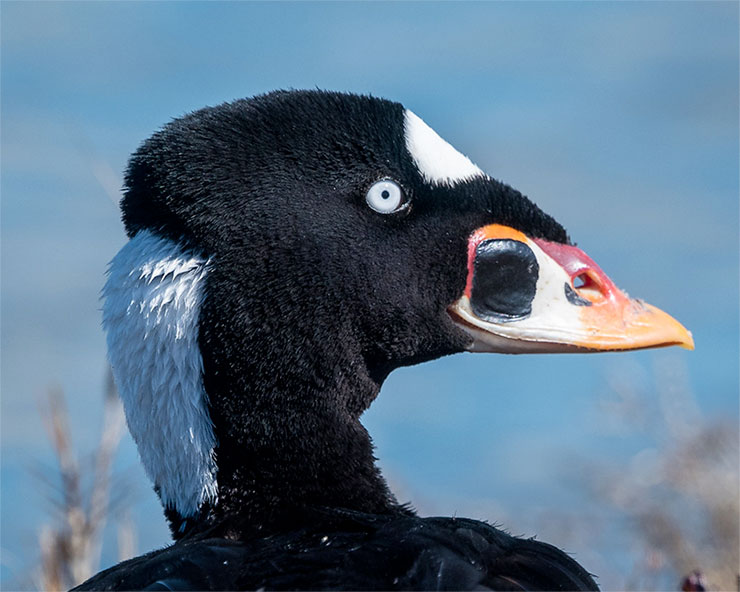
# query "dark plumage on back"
(364, 552)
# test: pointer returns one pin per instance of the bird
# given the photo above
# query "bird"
(285, 253)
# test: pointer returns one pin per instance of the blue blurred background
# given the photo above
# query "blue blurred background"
(620, 119)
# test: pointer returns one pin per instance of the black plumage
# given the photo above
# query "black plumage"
(311, 300)
(359, 552)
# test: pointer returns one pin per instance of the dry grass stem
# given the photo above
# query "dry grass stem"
(71, 545)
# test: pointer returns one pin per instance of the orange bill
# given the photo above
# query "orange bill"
(531, 295)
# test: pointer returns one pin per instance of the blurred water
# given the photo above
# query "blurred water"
(621, 119)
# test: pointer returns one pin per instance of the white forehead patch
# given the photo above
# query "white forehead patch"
(151, 305)
(438, 162)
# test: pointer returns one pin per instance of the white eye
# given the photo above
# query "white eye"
(385, 197)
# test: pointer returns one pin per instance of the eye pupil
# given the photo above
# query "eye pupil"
(386, 194)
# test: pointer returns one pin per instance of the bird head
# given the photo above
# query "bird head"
(292, 249)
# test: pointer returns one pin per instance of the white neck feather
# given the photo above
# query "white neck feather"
(151, 306)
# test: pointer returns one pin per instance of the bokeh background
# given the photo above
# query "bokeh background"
(620, 119)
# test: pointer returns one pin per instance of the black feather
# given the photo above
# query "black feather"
(311, 299)
(363, 552)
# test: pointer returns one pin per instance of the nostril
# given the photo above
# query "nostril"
(588, 286)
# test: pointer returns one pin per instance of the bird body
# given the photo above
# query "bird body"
(286, 253)
(358, 552)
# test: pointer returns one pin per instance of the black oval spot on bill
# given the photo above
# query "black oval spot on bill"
(505, 276)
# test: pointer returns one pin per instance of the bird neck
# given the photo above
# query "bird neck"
(290, 441)
(242, 417)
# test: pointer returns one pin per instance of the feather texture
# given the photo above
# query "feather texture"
(152, 301)
(361, 552)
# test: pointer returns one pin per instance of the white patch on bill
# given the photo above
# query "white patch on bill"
(554, 324)
(438, 162)
(151, 306)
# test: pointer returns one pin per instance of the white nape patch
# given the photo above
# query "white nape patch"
(438, 162)
(151, 305)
